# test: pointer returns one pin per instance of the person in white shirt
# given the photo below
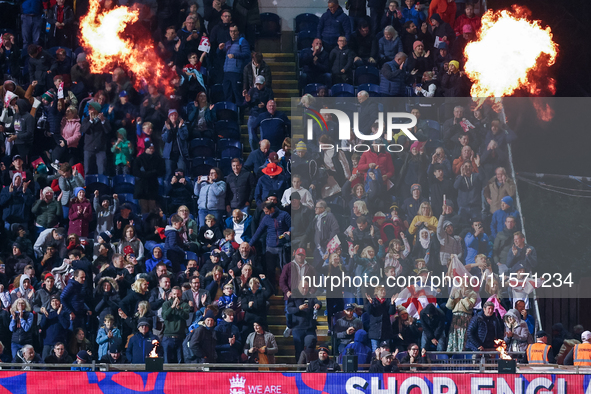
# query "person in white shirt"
(296, 186)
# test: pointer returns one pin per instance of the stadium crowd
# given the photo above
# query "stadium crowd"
(116, 230)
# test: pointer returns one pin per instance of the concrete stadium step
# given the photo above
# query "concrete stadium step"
(278, 318)
(281, 66)
(287, 92)
(278, 57)
(284, 84)
(287, 342)
(284, 74)
(277, 330)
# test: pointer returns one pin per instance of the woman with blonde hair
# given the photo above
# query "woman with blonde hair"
(424, 218)
(397, 252)
(254, 301)
(138, 293)
(189, 229)
(21, 322)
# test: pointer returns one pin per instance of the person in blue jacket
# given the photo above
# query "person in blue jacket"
(498, 219)
(140, 345)
(237, 55)
(212, 196)
(55, 323)
(333, 24)
(359, 346)
(272, 180)
(73, 299)
(16, 201)
(175, 136)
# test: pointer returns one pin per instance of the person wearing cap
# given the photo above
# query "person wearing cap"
(498, 219)
(203, 340)
(147, 168)
(17, 261)
(96, 130)
(140, 344)
(175, 136)
(175, 312)
(113, 356)
(17, 166)
(55, 323)
(347, 327)
(324, 363)
(410, 206)
(541, 353)
(457, 51)
(274, 124)
(386, 364)
(442, 55)
(273, 179)
(256, 99)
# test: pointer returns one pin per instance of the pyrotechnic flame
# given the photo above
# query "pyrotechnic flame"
(501, 347)
(106, 46)
(153, 353)
(543, 110)
(511, 52)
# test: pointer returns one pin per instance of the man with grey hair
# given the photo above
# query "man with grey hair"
(368, 112)
(341, 62)
(323, 228)
(26, 355)
(394, 77)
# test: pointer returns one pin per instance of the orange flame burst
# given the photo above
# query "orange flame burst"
(153, 353)
(501, 347)
(108, 43)
(511, 52)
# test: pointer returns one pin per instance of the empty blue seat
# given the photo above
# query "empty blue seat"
(269, 26)
(93, 182)
(305, 38)
(306, 21)
(342, 90)
(372, 89)
(123, 184)
(216, 93)
(433, 124)
(191, 256)
(366, 74)
(201, 166)
(227, 129)
(312, 88)
(226, 110)
(201, 147)
(226, 143)
(225, 164)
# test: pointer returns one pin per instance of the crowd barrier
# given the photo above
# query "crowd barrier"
(26, 382)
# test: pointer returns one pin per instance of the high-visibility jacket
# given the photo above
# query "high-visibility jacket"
(582, 355)
(537, 353)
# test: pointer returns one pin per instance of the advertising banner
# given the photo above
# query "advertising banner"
(17, 382)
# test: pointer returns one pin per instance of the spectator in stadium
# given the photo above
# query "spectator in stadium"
(175, 312)
(303, 308)
(347, 329)
(254, 301)
(72, 298)
(412, 357)
(21, 324)
(434, 329)
(498, 187)
(106, 298)
(419, 60)
(412, 12)
(260, 346)
(95, 129)
(212, 196)
(341, 62)
(197, 300)
(237, 53)
(498, 219)
(9, 59)
(379, 308)
(213, 12)
(80, 213)
(364, 45)
(258, 157)
(441, 28)
(385, 364)
(42, 299)
(174, 135)
(324, 363)
(411, 205)
(203, 340)
(256, 98)
(446, 10)
(393, 76)
(494, 149)
(314, 64)
(147, 168)
(67, 149)
(457, 51)
(454, 82)
(113, 356)
(522, 253)
(16, 201)
(525, 316)
(180, 190)
(140, 344)
(137, 294)
(389, 45)
(404, 329)
(469, 18)
(58, 355)
(517, 335)
(461, 302)
(229, 345)
(55, 323)
(27, 355)
(484, 328)
(424, 219)
(108, 335)
(469, 186)
(393, 17)
(279, 129)
(333, 24)
(256, 67)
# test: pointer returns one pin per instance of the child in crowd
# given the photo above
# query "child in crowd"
(108, 335)
(122, 151)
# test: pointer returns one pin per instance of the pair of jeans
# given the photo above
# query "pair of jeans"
(173, 350)
(97, 160)
(298, 340)
(232, 85)
(172, 164)
(31, 29)
(253, 138)
(429, 346)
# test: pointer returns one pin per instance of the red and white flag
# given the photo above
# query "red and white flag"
(415, 298)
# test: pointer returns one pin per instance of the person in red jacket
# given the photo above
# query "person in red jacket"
(469, 18)
(378, 157)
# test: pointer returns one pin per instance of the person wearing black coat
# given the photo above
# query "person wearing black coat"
(303, 309)
(254, 302)
(314, 63)
(386, 364)
(204, 340)
(484, 328)
(147, 168)
(434, 332)
(365, 46)
(59, 355)
(55, 326)
(324, 363)
(96, 131)
(229, 345)
(249, 76)
(341, 62)
(114, 356)
(62, 35)
(106, 298)
(378, 309)
(138, 294)
(241, 185)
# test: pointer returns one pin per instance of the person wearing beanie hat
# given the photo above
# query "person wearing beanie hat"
(301, 147)
(122, 153)
(442, 15)
(324, 363)
(105, 213)
(80, 213)
(410, 206)
(140, 344)
(48, 97)
(202, 342)
(82, 357)
(507, 209)
(175, 136)
(419, 61)
(113, 356)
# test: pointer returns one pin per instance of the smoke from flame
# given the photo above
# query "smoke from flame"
(511, 52)
(153, 353)
(501, 347)
(113, 39)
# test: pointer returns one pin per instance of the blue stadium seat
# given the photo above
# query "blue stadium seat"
(201, 166)
(433, 124)
(191, 256)
(306, 21)
(216, 93)
(269, 26)
(232, 152)
(305, 38)
(342, 90)
(226, 110)
(225, 164)
(372, 89)
(312, 88)
(93, 182)
(201, 147)
(366, 74)
(227, 129)
(128, 198)
(269, 131)
(227, 143)
(123, 184)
